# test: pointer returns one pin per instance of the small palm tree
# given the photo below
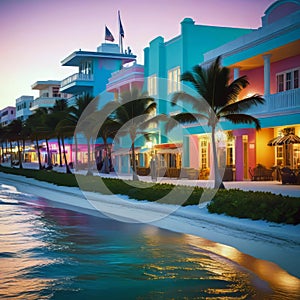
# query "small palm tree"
(213, 85)
(15, 131)
(134, 114)
(57, 113)
(74, 115)
(35, 124)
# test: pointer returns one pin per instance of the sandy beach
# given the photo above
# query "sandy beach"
(277, 243)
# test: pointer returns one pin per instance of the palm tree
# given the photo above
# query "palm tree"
(213, 85)
(57, 113)
(108, 130)
(35, 123)
(3, 139)
(134, 114)
(15, 130)
(75, 113)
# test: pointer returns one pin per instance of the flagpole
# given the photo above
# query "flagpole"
(120, 33)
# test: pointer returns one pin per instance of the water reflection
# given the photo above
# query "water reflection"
(50, 253)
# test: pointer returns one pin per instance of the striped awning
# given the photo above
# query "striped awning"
(285, 140)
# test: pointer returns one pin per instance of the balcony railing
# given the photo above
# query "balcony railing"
(75, 77)
(280, 102)
(43, 102)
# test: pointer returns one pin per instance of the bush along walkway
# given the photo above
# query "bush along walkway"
(234, 202)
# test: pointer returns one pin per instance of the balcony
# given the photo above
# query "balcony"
(126, 76)
(77, 83)
(45, 102)
(278, 104)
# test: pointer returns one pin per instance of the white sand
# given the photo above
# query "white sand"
(268, 241)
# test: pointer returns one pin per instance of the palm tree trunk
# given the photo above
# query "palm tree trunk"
(59, 151)
(2, 153)
(6, 148)
(134, 175)
(68, 171)
(11, 153)
(20, 155)
(49, 159)
(218, 180)
(23, 154)
(38, 153)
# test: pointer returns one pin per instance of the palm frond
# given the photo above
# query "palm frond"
(243, 119)
(183, 96)
(183, 118)
(242, 105)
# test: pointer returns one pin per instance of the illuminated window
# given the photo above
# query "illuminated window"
(230, 154)
(152, 85)
(288, 80)
(203, 154)
(174, 80)
(279, 155)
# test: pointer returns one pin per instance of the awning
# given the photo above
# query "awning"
(285, 140)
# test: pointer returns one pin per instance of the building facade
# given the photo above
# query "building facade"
(23, 105)
(164, 62)
(93, 70)
(49, 92)
(270, 57)
(7, 114)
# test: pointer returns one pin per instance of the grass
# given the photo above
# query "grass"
(253, 205)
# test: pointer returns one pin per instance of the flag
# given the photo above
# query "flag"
(120, 26)
(108, 35)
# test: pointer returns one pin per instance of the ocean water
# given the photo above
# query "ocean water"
(48, 252)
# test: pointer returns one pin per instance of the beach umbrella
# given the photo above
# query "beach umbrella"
(285, 140)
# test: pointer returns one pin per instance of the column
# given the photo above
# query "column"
(267, 74)
(239, 158)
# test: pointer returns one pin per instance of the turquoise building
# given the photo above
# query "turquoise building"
(93, 70)
(164, 61)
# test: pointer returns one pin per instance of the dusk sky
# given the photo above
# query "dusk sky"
(36, 35)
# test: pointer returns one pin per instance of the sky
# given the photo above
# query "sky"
(36, 35)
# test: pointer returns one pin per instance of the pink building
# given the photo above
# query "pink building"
(7, 115)
(270, 57)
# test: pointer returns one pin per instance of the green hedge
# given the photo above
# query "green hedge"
(256, 206)
(234, 202)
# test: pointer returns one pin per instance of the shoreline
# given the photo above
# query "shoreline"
(276, 243)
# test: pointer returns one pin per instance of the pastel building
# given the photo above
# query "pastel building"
(164, 61)
(93, 70)
(23, 105)
(7, 115)
(270, 57)
(49, 92)
(128, 78)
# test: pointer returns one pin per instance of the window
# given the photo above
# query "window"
(86, 68)
(279, 155)
(152, 85)
(230, 153)
(174, 80)
(288, 80)
(203, 154)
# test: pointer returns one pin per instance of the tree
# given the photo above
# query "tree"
(15, 131)
(57, 113)
(134, 113)
(75, 113)
(35, 123)
(213, 85)
(108, 130)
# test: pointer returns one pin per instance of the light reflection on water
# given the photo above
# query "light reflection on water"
(50, 253)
